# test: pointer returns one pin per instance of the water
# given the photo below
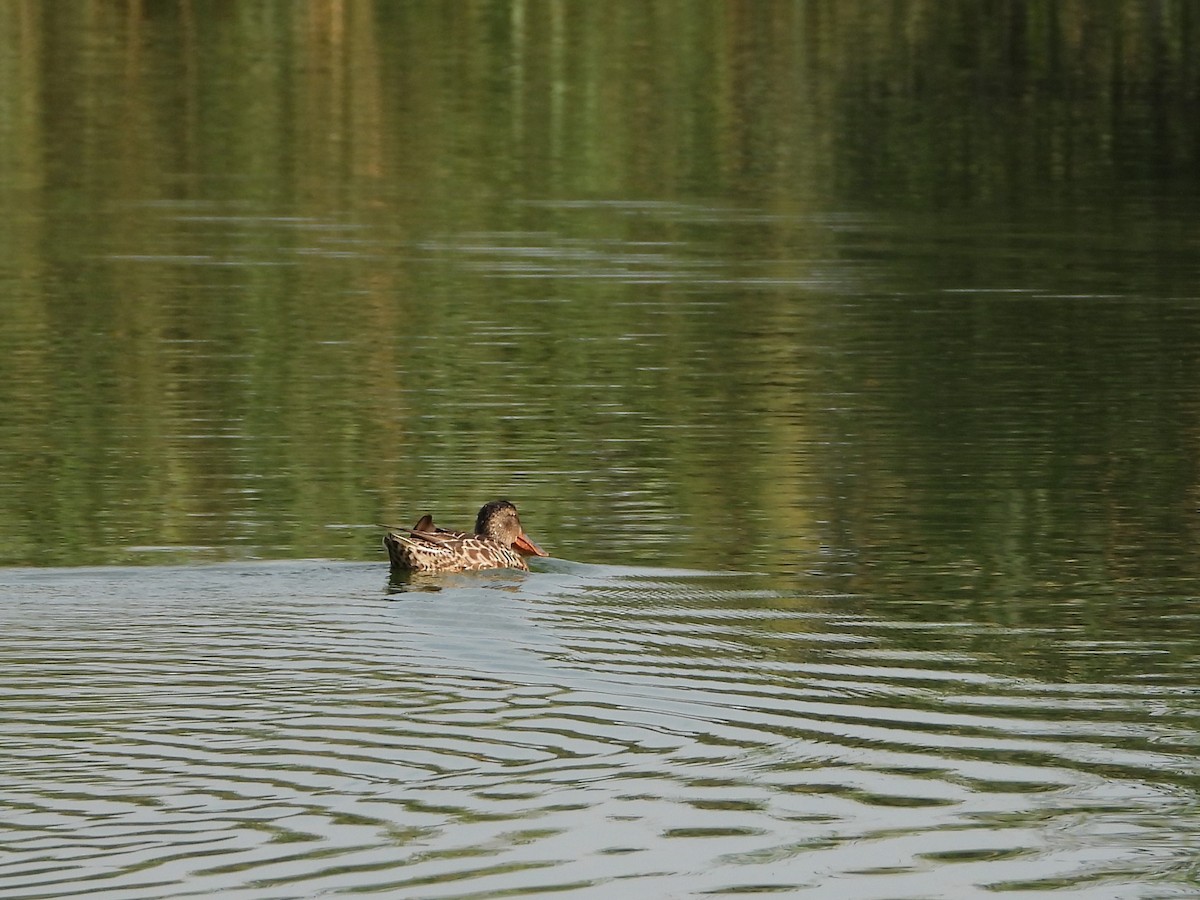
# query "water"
(194, 731)
(844, 358)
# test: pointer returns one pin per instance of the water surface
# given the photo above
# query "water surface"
(843, 355)
(281, 728)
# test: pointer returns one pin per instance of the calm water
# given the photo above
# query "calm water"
(844, 356)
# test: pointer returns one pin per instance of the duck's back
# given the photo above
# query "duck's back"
(421, 551)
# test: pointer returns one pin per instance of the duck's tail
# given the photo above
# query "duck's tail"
(397, 546)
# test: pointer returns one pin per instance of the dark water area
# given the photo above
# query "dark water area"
(843, 355)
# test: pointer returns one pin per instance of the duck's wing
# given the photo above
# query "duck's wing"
(450, 551)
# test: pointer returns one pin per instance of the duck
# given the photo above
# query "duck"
(498, 542)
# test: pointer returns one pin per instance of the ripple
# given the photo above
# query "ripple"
(263, 730)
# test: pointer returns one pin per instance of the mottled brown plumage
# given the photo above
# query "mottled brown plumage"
(499, 542)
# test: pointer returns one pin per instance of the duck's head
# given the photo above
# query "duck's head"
(497, 521)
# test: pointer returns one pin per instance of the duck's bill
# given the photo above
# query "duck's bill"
(528, 547)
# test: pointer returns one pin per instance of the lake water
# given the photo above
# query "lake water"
(845, 357)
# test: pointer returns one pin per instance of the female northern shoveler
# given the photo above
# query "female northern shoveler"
(499, 542)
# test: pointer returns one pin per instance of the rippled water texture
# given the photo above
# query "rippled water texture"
(282, 730)
(844, 355)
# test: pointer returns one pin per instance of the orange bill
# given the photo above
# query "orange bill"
(528, 547)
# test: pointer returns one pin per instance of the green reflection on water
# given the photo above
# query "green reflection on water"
(835, 287)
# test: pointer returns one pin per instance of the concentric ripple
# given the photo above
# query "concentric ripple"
(291, 730)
